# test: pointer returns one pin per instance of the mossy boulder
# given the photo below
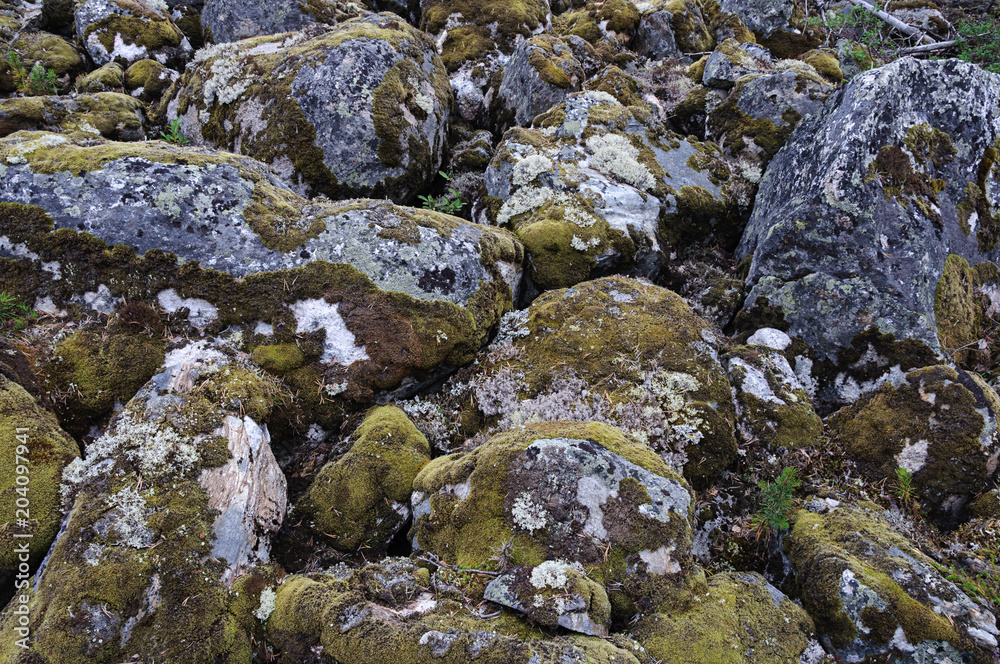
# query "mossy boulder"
(654, 36)
(540, 73)
(268, 98)
(52, 51)
(392, 295)
(363, 498)
(108, 114)
(578, 492)
(390, 611)
(741, 619)
(964, 297)
(179, 497)
(612, 21)
(30, 503)
(730, 60)
(764, 17)
(615, 350)
(110, 77)
(554, 594)
(126, 31)
(233, 20)
(857, 214)
(89, 372)
(825, 62)
(147, 80)
(772, 407)
(939, 424)
(598, 186)
(874, 595)
(476, 38)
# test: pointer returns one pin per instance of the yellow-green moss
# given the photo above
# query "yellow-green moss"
(279, 358)
(959, 308)
(824, 62)
(349, 502)
(109, 77)
(38, 450)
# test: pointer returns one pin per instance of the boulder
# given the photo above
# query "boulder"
(540, 73)
(363, 498)
(179, 497)
(232, 20)
(857, 215)
(596, 187)
(938, 424)
(126, 31)
(268, 98)
(731, 60)
(573, 492)
(147, 80)
(874, 595)
(110, 115)
(742, 619)
(392, 609)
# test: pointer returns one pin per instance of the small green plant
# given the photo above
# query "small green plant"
(449, 203)
(36, 81)
(979, 42)
(14, 315)
(903, 486)
(775, 503)
(173, 133)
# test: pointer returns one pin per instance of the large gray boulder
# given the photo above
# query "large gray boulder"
(216, 237)
(270, 98)
(233, 20)
(857, 214)
(126, 31)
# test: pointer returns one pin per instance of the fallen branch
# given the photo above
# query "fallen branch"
(925, 48)
(905, 28)
(441, 563)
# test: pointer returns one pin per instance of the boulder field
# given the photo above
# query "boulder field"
(526, 332)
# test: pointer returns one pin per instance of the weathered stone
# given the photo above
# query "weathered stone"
(540, 73)
(126, 31)
(233, 20)
(109, 114)
(857, 215)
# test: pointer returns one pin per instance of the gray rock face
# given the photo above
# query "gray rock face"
(270, 98)
(555, 594)
(111, 30)
(654, 38)
(233, 20)
(540, 73)
(730, 61)
(762, 16)
(856, 215)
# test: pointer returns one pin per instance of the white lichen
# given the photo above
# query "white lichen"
(615, 156)
(529, 168)
(267, 603)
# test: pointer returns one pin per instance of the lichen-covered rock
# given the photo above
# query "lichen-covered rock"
(599, 187)
(363, 498)
(389, 295)
(555, 594)
(872, 594)
(732, 60)
(383, 612)
(126, 31)
(147, 80)
(772, 407)
(30, 503)
(540, 73)
(857, 214)
(611, 21)
(110, 77)
(233, 20)
(763, 16)
(575, 492)
(269, 98)
(613, 350)
(476, 39)
(742, 619)
(939, 424)
(654, 37)
(762, 110)
(109, 114)
(177, 498)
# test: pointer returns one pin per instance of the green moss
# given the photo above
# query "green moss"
(279, 358)
(38, 450)
(824, 62)
(488, 26)
(699, 213)
(351, 503)
(554, 65)
(53, 52)
(688, 21)
(151, 32)
(618, 84)
(959, 306)
(737, 616)
(109, 77)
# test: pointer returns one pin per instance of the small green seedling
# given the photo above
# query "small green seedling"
(903, 486)
(775, 503)
(449, 203)
(36, 81)
(173, 133)
(14, 315)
